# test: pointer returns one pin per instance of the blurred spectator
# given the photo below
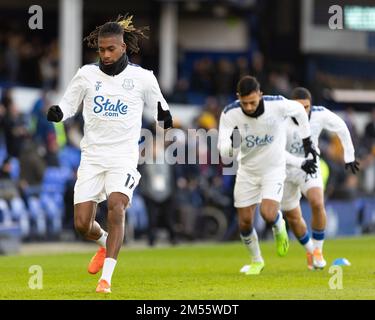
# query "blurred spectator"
(11, 57)
(341, 183)
(318, 88)
(44, 130)
(180, 92)
(242, 68)
(32, 167)
(202, 75)
(207, 121)
(224, 81)
(52, 154)
(349, 117)
(257, 69)
(136, 218)
(189, 199)
(369, 135)
(230, 212)
(74, 131)
(368, 159)
(8, 188)
(157, 188)
(29, 63)
(279, 84)
(48, 65)
(15, 125)
(214, 107)
(2, 117)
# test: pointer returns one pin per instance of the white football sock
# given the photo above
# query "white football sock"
(108, 268)
(103, 239)
(309, 246)
(318, 238)
(318, 244)
(278, 223)
(252, 244)
(306, 241)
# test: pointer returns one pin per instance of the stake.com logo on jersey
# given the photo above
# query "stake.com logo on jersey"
(255, 141)
(109, 109)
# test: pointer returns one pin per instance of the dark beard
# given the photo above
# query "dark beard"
(116, 67)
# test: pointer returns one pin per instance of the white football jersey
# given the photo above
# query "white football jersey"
(263, 139)
(321, 118)
(112, 111)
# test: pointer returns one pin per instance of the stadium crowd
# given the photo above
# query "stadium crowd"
(39, 160)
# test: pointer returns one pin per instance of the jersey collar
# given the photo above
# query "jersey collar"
(258, 112)
(115, 68)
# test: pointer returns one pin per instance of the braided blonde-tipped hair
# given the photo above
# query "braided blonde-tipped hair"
(122, 25)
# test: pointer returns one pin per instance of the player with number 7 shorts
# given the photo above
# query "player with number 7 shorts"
(259, 122)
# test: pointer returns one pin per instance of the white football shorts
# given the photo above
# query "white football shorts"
(297, 183)
(249, 189)
(96, 183)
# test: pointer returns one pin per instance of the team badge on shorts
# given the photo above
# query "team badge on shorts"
(128, 84)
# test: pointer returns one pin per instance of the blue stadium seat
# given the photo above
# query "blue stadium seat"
(342, 217)
(15, 169)
(21, 215)
(137, 213)
(54, 179)
(197, 98)
(10, 239)
(5, 213)
(53, 212)
(70, 157)
(51, 197)
(10, 232)
(38, 216)
(368, 214)
(3, 152)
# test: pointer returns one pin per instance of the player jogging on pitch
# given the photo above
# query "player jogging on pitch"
(113, 92)
(260, 121)
(311, 186)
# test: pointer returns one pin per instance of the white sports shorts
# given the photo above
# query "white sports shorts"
(251, 189)
(297, 183)
(96, 183)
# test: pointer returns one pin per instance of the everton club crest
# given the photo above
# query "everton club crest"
(128, 84)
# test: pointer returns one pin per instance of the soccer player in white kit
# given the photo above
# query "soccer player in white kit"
(311, 185)
(114, 93)
(260, 121)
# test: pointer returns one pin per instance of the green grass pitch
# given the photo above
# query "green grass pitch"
(197, 272)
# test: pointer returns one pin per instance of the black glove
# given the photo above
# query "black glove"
(309, 148)
(354, 166)
(309, 166)
(54, 114)
(235, 137)
(165, 116)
